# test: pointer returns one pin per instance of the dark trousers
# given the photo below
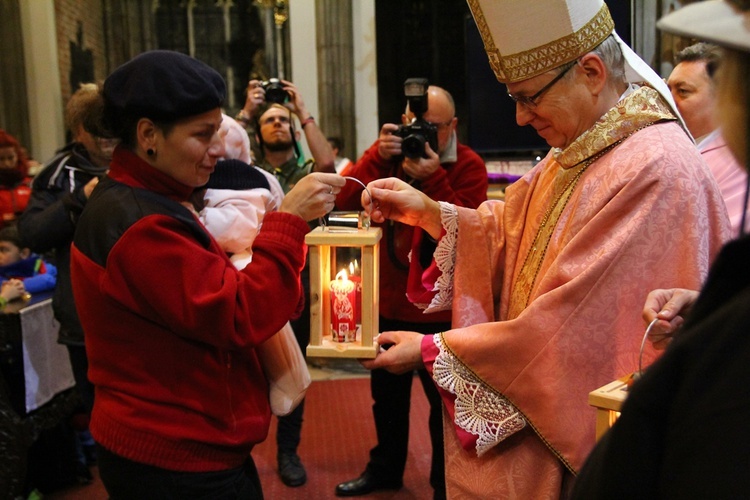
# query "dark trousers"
(127, 480)
(289, 431)
(80, 365)
(392, 401)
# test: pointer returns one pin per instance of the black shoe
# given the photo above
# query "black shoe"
(291, 470)
(364, 484)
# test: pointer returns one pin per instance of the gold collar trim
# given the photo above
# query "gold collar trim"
(642, 107)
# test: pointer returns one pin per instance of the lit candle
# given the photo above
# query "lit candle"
(344, 308)
(355, 276)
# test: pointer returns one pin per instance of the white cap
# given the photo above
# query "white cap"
(714, 21)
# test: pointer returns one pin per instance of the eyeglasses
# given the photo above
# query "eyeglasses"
(443, 124)
(531, 102)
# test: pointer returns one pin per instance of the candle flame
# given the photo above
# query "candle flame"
(354, 268)
(342, 275)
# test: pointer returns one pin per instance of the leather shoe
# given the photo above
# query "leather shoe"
(291, 470)
(364, 484)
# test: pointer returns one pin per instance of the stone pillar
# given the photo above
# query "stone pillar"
(13, 98)
(334, 38)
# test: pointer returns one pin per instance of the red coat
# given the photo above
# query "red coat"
(171, 325)
(463, 183)
(13, 200)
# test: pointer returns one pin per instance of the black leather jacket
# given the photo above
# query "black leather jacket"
(50, 219)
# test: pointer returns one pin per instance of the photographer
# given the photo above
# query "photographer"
(449, 172)
(276, 150)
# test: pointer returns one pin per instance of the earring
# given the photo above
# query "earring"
(150, 152)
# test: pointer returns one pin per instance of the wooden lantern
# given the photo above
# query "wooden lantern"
(334, 306)
(608, 400)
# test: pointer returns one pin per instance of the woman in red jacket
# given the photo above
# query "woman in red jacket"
(171, 325)
(15, 183)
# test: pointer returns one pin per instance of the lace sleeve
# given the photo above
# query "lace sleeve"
(479, 409)
(445, 258)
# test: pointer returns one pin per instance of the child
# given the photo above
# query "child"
(17, 262)
(237, 197)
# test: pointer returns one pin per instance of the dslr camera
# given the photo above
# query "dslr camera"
(419, 132)
(275, 92)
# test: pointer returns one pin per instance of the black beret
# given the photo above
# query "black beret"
(236, 175)
(164, 86)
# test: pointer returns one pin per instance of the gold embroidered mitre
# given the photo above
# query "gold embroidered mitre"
(525, 38)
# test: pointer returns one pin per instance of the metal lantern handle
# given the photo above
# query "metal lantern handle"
(348, 215)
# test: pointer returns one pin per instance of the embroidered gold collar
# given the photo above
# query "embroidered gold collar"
(641, 108)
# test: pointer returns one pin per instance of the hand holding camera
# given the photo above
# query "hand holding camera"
(389, 143)
(275, 91)
(422, 167)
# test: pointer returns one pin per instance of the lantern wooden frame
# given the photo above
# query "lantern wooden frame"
(608, 400)
(322, 241)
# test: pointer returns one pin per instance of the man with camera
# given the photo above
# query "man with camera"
(269, 108)
(425, 152)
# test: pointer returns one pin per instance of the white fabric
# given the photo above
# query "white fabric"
(236, 140)
(637, 71)
(445, 259)
(484, 413)
(285, 369)
(46, 364)
(450, 155)
(712, 21)
(234, 218)
(521, 25)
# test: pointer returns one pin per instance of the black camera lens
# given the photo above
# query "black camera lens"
(275, 92)
(413, 146)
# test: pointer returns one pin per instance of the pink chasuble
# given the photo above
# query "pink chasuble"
(644, 214)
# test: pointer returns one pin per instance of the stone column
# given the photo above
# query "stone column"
(13, 98)
(336, 71)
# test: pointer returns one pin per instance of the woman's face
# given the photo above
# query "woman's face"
(188, 153)
(8, 157)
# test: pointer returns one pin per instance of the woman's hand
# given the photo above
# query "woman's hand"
(403, 354)
(313, 196)
(670, 307)
(396, 200)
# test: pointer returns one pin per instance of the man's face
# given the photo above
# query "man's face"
(562, 113)
(694, 95)
(99, 149)
(441, 114)
(8, 158)
(276, 129)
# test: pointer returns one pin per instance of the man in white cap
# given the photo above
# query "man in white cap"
(683, 430)
(547, 287)
(694, 91)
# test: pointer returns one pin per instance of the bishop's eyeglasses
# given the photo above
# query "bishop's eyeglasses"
(530, 102)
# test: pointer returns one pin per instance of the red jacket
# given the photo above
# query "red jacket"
(463, 183)
(171, 325)
(13, 201)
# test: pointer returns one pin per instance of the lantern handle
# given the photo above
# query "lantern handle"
(363, 185)
(322, 219)
(643, 344)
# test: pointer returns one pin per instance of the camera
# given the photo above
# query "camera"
(419, 132)
(275, 92)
